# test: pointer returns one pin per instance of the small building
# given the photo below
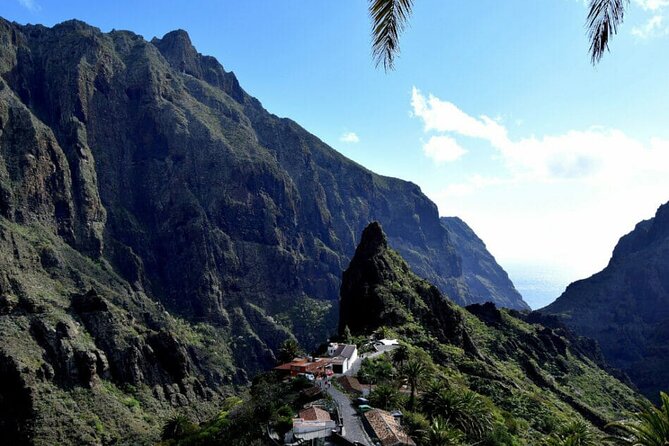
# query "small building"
(306, 366)
(312, 423)
(343, 356)
(351, 384)
(385, 428)
(385, 345)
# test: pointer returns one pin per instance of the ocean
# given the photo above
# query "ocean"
(541, 284)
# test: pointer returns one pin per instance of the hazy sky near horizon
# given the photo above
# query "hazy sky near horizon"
(493, 109)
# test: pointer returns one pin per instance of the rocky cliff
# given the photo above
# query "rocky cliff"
(150, 155)
(486, 279)
(529, 365)
(625, 307)
(162, 233)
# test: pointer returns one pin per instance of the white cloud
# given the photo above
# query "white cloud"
(447, 117)
(349, 137)
(30, 4)
(654, 27)
(652, 5)
(562, 199)
(595, 153)
(443, 149)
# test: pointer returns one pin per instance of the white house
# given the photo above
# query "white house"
(343, 356)
(312, 423)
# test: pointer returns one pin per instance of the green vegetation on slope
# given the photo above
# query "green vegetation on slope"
(531, 380)
(625, 307)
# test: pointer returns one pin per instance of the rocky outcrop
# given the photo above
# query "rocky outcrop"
(379, 290)
(486, 279)
(161, 233)
(151, 155)
(85, 359)
(508, 355)
(625, 307)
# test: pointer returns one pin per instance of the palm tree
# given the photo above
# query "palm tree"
(463, 408)
(577, 433)
(401, 355)
(289, 350)
(603, 20)
(413, 372)
(390, 17)
(650, 427)
(385, 396)
(443, 434)
(177, 427)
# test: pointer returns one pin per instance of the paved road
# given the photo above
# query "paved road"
(353, 370)
(352, 422)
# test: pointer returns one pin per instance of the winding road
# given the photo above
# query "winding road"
(353, 429)
(352, 421)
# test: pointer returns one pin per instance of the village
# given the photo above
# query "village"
(338, 412)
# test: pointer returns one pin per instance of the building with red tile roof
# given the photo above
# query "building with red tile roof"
(314, 414)
(314, 366)
(385, 427)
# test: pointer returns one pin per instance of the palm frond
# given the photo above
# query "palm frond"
(650, 427)
(603, 20)
(389, 19)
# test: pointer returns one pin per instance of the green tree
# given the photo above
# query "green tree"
(390, 17)
(177, 427)
(603, 20)
(385, 396)
(650, 427)
(289, 349)
(377, 370)
(348, 337)
(463, 408)
(413, 372)
(401, 355)
(577, 433)
(417, 426)
(442, 433)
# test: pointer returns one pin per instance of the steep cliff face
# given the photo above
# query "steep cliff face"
(162, 233)
(87, 359)
(486, 279)
(516, 359)
(379, 290)
(161, 163)
(626, 306)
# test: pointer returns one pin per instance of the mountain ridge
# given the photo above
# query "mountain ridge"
(483, 275)
(625, 307)
(163, 233)
(498, 353)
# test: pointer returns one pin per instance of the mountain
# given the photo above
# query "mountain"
(535, 373)
(625, 307)
(485, 278)
(161, 233)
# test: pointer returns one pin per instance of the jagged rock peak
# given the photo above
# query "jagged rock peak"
(177, 48)
(644, 234)
(373, 240)
(625, 307)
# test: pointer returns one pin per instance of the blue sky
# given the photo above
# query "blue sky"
(493, 109)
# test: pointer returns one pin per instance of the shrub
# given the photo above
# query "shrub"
(385, 396)
(177, 427)
(377, 370)
(463, 408)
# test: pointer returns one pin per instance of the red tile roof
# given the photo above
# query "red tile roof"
(314, 414)
(387, 429)
(350, 383)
